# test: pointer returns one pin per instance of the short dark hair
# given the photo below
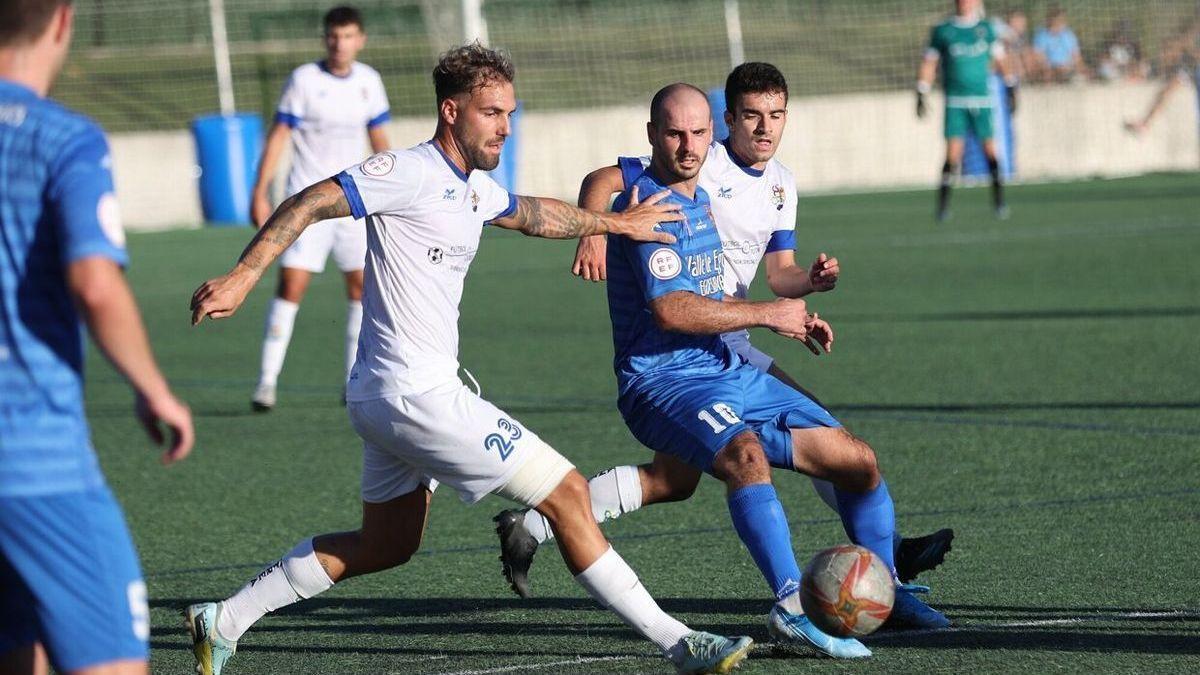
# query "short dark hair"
(342, 15)
(23, 21)
(660, 97)
(754, 77)
(464, 69)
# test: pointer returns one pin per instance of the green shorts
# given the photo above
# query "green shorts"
(978, 120)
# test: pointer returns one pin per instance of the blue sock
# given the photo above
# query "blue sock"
(870, 521)
(760, 522)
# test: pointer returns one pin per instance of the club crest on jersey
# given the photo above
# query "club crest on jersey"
(379, 165)
(449, 195)
(665, 264)
(725, 193)
(435, 255)
(474, 200)
(777, 197)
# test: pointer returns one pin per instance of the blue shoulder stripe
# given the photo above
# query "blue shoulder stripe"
(350, 188)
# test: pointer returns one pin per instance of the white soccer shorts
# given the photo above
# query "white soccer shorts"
(739, 342)
(446, 435)
(346, 238)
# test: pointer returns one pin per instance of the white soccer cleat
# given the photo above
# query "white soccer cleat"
(264, 398)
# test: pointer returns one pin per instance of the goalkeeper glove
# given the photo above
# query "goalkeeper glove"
(1010, 97)
(922, 90)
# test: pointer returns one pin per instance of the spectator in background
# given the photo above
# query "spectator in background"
(1014, 32)
(1058, 49)
(1121, 55)
(1181, 64)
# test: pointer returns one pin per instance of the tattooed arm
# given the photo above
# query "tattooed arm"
(554, 219)
(220, 297)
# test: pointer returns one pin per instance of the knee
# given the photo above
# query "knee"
(569, 498)
(861, 472)
(743, 461)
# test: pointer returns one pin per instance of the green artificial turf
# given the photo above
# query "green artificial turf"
(1030, 383)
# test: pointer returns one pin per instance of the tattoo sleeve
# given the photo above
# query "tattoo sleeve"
(554, 219)
(317, 202)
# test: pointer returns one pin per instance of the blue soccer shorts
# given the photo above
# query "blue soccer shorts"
(69, 578)
(694, 417)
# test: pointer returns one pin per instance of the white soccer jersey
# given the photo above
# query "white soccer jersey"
(755, 212)
(329, 116)
(424, 219)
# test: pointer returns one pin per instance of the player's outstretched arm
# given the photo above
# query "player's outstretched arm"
(221, 297)
(595, 192)
(107, 305)
(788, 280)
(554, 219)
(687, 312)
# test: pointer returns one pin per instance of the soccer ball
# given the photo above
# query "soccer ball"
(847, 591)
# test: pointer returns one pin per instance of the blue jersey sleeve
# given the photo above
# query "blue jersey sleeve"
(631, 169)
(82, 203)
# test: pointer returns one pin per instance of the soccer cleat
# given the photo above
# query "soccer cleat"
(264, 398)
(909, 611)
(1002, 212)
(708, 653)
(210, 649)
(517, 547)
(796, 630)
(921, 554)
(942, 215)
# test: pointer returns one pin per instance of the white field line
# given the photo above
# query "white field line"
(545, 664)
(1034, 623)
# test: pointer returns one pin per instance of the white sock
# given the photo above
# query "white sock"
(281, 317)
(613, 584)
(826, 492)
(294, 577)
(353, 324)
(615, 492)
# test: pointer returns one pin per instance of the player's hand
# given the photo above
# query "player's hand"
(820, 335)
(260, 210)
(920, 105)
(788, 317)
(640, 221)
(164, 410)
(219, 298)
(824, 273)
(1010, 95)
(590, 258)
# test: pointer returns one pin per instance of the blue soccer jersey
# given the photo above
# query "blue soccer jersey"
(56, 207)
(640, 272)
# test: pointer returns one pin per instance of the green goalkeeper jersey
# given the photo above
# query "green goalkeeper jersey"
(965, 51)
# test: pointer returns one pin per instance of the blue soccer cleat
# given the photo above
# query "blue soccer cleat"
(795, 630)
(909, 611)
(210, 649)
(708, 653)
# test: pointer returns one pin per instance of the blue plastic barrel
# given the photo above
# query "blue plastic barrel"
(227, 150)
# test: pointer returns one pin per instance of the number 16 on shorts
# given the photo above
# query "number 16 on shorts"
(718, 416)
